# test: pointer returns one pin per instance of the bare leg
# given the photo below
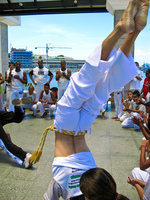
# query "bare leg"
(103, 115)
(132, 22)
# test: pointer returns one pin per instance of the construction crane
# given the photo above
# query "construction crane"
(49, 47)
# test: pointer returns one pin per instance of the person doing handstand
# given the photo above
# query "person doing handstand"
(88, 90)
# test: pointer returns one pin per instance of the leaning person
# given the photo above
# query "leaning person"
(16, 153)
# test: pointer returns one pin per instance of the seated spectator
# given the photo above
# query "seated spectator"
(145, 123)
(142, 187)
(46, 100)
(134, 110)
(126, 104)
(141, 176)
(31, 94)
(118, 99)
(142, 173)
(97, 183)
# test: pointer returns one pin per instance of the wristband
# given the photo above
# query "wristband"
(142, 146)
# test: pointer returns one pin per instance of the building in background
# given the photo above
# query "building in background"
(25, 57)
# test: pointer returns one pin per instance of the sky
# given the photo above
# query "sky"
(80, 32)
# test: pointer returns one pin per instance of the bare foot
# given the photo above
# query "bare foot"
(114, 118)
(103, 118)
(141, 15)
(126, 22)
(118, 119)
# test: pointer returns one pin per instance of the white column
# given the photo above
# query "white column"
(3, 48)
(116, 8)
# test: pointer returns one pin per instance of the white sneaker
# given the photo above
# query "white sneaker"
(27, 161)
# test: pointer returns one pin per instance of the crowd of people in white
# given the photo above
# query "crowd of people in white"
(39, 92)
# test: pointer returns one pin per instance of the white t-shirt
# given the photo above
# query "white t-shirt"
(32, 97)
(63, 82)
(15, 83)
(135, 106)
(40, 75)
(136, 84)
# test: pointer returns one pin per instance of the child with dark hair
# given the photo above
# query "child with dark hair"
(126, 104)
(98, 184)
(134, 109)
(46, 100)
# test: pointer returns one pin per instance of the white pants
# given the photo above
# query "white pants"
(14, 94)
(124, 116)
(118, 105)
(33, 107)
(61, 92)
(91, 87)
(38, 89)
(103, 107)
(127, 123)
(1, 103)
(42, 107)
(142, 175)
(8, 91)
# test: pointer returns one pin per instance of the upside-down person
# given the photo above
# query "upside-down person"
(88, 90)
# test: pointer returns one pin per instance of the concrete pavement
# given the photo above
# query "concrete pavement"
(114, 148)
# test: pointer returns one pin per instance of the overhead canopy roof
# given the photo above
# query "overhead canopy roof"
(30, 7)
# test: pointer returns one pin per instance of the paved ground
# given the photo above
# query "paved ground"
(113, 148)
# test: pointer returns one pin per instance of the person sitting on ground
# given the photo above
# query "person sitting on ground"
(144, 123)
(31, 94)
(118, 99)
(134, 110)
(126, 104)
(46, 100)
(81, 103)
(141, 177)
(142, 173)
(98, 184)
(16, 153)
